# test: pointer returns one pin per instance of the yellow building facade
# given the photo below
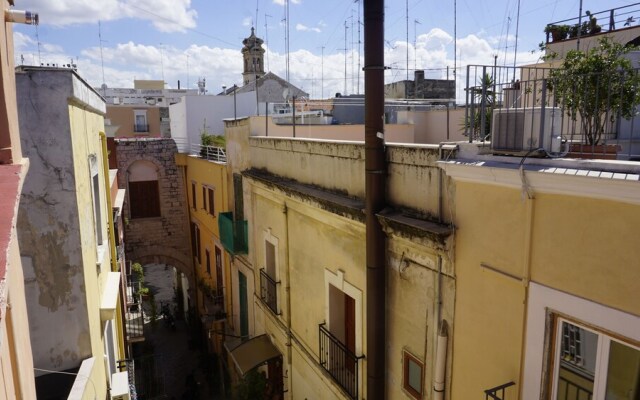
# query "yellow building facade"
(304, 277)
(548, 280)
(207, 197)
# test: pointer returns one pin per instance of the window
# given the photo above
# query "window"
(140, 121)
(208, 261)
(412, 374)
(195, 241)
(95, 194)
(219, 278)
(208, 200)
(587, 347)
(144, 191)
(590, 364)
(238, 196)
(194, 202)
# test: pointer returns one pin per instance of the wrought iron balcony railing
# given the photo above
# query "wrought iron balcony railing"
(339, 361)
(141, 127)
(498, 392)
(134, 323)
(269, 291)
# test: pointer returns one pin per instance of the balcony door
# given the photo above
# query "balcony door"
(244, 305)
(342, 317)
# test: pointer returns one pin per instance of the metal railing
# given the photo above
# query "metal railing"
(214, 304)
(593, 23)
(498, 392)
(134, 316)
(339, 361)
(572, 391)
(269, 291)
(211, 153)
(141, 127)
(521, 109)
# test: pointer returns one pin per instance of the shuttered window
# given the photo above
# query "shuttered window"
(144, 199)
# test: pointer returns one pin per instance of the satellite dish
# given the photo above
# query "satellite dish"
(285, 93)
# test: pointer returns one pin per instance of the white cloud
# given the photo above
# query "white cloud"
(247, 21)
(125, 62)
(165, 15)
(304, 28)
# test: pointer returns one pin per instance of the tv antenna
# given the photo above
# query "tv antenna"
(101, 56)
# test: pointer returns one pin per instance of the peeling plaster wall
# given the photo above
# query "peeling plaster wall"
(60, 121)
(163, 239)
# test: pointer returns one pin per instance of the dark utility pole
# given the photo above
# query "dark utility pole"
(375, 180)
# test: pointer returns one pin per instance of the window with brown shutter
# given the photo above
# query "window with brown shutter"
(144, 199)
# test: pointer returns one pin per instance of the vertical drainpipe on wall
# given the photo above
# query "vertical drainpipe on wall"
(288, 294)
(112, 241)
(375, 180)
(530, 204)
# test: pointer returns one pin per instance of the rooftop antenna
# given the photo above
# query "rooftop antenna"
(256, 23)
(455, 40)
(359, 43)
(322, 74)
(162, 63)
(415, 43)
(345, 56)
(266, 36)
(352, 55)
(286, 42)
(515, 51)
(407, 20)
(101, 56)
(38, 40)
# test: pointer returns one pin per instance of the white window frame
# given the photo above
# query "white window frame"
(142, 113)
(337, 280)
(543, 300)
(268, 236)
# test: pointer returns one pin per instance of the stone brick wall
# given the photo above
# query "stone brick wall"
(162, 239)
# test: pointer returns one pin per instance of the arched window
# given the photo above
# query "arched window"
(144, 192)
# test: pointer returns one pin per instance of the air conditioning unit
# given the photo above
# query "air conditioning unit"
(516, 131)
(120, 386)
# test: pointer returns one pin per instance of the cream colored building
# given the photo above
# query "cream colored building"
(303, 281)
(67, 248)
(548, 284)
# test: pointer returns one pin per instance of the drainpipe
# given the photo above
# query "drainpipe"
(375, 180)
(288, 294)
(441, 361)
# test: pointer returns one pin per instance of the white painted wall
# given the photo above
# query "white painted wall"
(190, 115)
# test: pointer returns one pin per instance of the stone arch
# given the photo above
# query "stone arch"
(160, 255)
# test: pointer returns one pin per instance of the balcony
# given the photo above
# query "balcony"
(269, 291)
(233, 234)
(498, 392)
(535, 112)
(592, 23)
(134, 322)
(340, 362)
(141, 128)
(211, 153)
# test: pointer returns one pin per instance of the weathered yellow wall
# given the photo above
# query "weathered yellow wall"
(489, 307)
(579, 245)
(587, 247)
(214, 175)
(85, 128)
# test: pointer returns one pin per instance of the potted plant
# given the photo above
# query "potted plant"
(597, 87)
(558, 32)
(484, 96)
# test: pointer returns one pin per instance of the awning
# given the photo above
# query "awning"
(253, 353)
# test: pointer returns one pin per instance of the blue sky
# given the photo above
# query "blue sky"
(187, 39)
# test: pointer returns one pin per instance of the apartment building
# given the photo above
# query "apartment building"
(66, 237)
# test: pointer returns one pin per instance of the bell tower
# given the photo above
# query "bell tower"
(253, 57)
